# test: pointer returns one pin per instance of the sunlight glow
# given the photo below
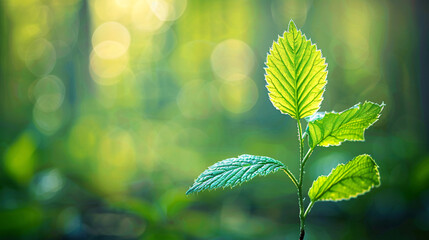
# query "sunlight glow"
(111, 40)
(232, 59)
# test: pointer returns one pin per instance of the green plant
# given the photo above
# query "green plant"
(296, 78)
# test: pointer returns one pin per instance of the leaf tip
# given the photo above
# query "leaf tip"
(292, 26)
(190, 191)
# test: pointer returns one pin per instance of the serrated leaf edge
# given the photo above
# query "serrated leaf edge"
(357, 194)
(317, 50)
(382, 105)
(189, 192)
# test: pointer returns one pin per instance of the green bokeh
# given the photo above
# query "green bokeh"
(109, 109)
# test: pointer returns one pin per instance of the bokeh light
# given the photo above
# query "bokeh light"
(40, 57)
(117, 160)
(49, 93)
(106, 70)
(232, 59)
(148, 15)
(283, 11)
(47, 122)
(238, 96)
(19, 159)
(108, 10)
(111, 108)
(111, 40)
(47, 184)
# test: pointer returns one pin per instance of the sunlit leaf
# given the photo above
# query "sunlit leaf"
(314, 117)
(296, 74)
(346, 181)
(349, 125)
(234, 171)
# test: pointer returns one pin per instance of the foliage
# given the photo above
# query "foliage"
(334, 128)
(296, 78)
(296, 74)
(234, 171)
(346, 181)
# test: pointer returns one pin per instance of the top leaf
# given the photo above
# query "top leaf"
(295, 74)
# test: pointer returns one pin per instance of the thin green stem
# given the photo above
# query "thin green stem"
(310, 151)
(301, 142)
(302, 160)
(291, 176)
(308, 209)
(301, 175)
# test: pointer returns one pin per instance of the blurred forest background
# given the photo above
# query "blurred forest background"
(109, 109)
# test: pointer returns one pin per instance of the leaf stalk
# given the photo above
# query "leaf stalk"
(291, 176)
(308, 209)
(307, 156)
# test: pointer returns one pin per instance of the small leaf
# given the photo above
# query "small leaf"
(357, 177)
(295, 74)
(349, 125)
(234, 171)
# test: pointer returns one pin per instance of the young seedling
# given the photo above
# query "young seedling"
(296, 78)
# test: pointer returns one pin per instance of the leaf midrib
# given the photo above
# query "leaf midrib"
(366, 178)
(350, 118)
(342, 179)
(294, 68)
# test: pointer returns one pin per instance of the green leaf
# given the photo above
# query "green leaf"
(314, 117)
(295, 74)
(349, 125)
(234, 171)
(346, 181)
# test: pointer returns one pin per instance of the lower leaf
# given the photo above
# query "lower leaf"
(234, 171)
(356, 177)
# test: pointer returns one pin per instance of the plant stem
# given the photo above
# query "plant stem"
(308, 209)
(301, 175)
(291, 176)
(302, 161)
(301, 142)
(301, 235)
(310, 151)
